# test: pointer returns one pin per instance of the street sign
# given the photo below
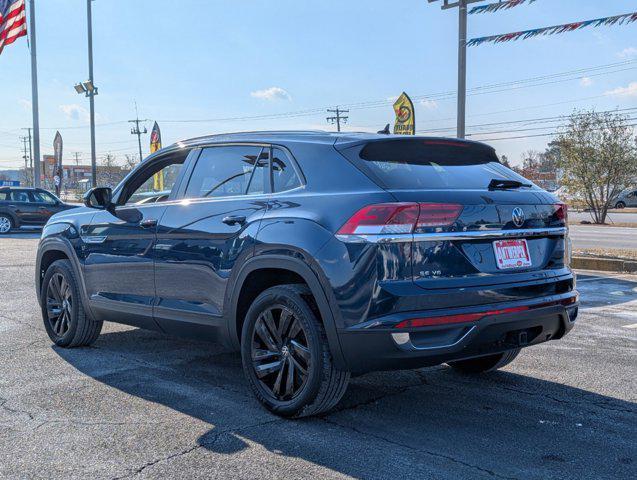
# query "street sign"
(9, 183)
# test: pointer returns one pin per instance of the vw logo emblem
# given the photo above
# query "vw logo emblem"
(518, 216)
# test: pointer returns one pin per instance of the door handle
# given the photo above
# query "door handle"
(234, 219)
(148, 223)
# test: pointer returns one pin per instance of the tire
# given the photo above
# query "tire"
(6, 223)
(291, 307)
(71, 327)
(620, 205)
(488, 363)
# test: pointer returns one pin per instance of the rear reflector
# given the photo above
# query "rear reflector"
(384, 218)
(474, 317)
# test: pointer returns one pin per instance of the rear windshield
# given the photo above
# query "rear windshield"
(408, 164)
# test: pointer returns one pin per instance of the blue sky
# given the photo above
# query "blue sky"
(194, 60)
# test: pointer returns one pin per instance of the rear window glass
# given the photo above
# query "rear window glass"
(431, 164)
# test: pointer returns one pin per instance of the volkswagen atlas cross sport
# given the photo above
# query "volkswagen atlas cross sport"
(318, 256)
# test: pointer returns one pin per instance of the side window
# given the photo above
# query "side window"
(283, 175)
(43, 197)
(19, 196)
(4, 196)
(157, 184)
(227, 171)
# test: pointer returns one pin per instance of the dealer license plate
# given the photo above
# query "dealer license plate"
(512, 254)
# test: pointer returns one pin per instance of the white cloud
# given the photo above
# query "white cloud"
(586, 81)
(629, 52)
(272, 93)
(429, 104)
(26, 104)
(74, 111)
(628, 91)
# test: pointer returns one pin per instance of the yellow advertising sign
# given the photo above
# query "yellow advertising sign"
(405, 116)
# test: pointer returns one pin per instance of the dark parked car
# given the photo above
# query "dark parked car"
(27, 206)
(317, 255)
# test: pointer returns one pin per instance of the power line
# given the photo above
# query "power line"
(527, 121)
(536, 135)
(530, 129)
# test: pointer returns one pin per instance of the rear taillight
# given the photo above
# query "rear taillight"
(382, 218)
(561, 212)
(388, 218)
(438, 214)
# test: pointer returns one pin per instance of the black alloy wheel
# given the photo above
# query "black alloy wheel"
(280, 353)
(65, 320)
(286, 355)
(59, 304)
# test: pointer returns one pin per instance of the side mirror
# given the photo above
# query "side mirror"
(99, 197)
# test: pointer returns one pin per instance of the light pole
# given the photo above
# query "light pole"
(462, 58)
(89, 89)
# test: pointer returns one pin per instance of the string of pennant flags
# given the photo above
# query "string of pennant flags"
(555, 29)
(495, 7)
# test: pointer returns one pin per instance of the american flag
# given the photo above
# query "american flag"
(13, 21)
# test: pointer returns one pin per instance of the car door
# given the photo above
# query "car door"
(631, 199)
(118, 245)
(44, 205)
(23, 207)
(205, 232)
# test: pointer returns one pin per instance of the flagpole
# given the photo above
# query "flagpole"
(34, 97)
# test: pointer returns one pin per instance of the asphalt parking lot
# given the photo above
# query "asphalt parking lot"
(139, 404)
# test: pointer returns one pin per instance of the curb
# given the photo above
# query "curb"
(604, 264)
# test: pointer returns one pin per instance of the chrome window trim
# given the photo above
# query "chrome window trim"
(449, 236)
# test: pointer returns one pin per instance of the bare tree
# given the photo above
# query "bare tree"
(130, 162)
(109, 173)
(598, 155)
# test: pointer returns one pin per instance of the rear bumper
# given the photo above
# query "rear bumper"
(381, 348)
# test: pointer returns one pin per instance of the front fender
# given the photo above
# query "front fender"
(60, 237)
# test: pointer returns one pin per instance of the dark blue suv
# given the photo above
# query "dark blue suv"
(318, 256)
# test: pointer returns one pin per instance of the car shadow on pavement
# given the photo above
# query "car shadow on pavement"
(23, 233)
(605, 290)
(429, 422)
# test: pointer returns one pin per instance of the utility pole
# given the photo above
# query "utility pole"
(136, 131)
(462, 58)
(30, 176)
(34, 96)
(462, 68)
(77, 157)
(337, 118)
(26, 158)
